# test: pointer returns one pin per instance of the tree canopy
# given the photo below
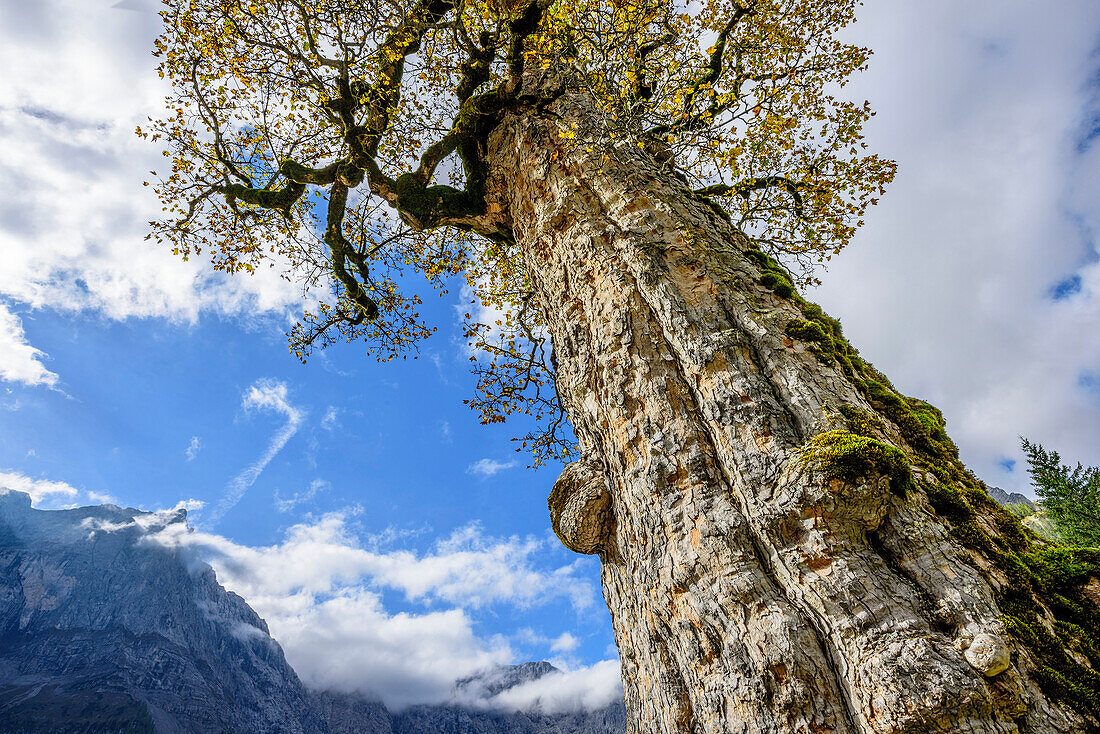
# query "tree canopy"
(347, 139)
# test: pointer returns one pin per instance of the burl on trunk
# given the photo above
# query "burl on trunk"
(787, 543)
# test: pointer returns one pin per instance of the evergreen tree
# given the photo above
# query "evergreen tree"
(1071, 497)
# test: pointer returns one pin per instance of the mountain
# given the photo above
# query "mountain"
(101, 631)
(1015, 498)
(104, 632)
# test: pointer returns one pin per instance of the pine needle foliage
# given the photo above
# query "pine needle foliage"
(1070, 497)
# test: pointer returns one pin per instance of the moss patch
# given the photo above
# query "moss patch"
(844, 455)
(811, 332)
(773, 276)
(862, 423)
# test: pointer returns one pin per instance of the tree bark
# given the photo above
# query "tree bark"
(753, 585)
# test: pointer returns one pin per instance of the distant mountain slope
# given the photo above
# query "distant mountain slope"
(455, 720)
(103, 632)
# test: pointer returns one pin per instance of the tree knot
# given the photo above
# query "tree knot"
(986, 652)
(580, 507)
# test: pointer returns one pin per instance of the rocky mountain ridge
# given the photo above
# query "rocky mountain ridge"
(1015, 498)
(102, 631)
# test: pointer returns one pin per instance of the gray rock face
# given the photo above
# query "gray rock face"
(346, 713)
(454, 720)
(102, 631)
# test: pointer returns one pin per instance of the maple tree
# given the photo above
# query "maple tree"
(633, 191)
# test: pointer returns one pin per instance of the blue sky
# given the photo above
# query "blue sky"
(390, 540)
(382, 458)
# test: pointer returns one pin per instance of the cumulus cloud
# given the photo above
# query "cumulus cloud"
(73, 211)
(465, 568)
(270, 396)
(320, 592)
(564, 643)
(189, 505)
(40, 490)
(50, 494)
(19, 361)
(489, 467)
(349, 642)
(976, 283)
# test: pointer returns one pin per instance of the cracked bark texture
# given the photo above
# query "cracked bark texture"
(748, 593)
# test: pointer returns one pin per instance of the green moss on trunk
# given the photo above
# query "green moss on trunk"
(843, 455)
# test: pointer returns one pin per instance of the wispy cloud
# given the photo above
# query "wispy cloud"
(193, 448)
(289, 503)
(99, 497)
(19, 361)
(270, 396)
(437, 360)
(485, 468)
(331, 419)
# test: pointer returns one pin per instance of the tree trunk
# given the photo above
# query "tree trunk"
(771, 561)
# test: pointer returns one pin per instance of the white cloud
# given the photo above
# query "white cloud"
(565, 642)
(987, 107)
(319, 590)
(50, 494)
(100, 498)
(585, 688)
(19, 361)
(288, 504)
(73, 210)
(193, 448)
(40, 490)
(489, 467)
(349, 642)
(189, 505)
(271, 396)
